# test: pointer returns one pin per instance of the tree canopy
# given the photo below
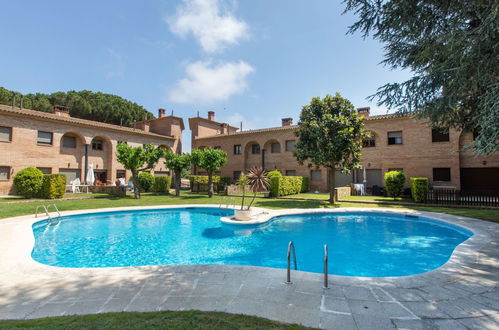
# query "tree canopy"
(138, 159)
(330, 133)
(451, 48)
(106, 108)
(210, 160)
(178, 163)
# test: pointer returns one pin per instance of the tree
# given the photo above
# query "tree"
(210, 160)
(330, 133)
(257, 181)
(451, 47)
(178, 164)
(138, 159)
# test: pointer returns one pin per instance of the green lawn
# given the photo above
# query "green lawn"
(10, 210)
(380, 199)
(154, 320)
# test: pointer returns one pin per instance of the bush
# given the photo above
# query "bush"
(203, 179)
(225, 181)
(287, 185)
(28, 182)
(394, 183)
(146, 181)
(162, 184)
(53, 186)
(274, 173)
(419, 189)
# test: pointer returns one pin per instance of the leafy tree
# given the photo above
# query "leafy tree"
(257, 181)
(451, 48)
(106, 108)
(178, 164)
(330, 133)
(138, 159)
(210, 160)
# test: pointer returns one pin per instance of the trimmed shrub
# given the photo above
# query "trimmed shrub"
(162, 184)
(146, 181)
(28, 182)
(274, 173)
(419, 189)
(54, 186)
(287, 185)
(394, 183)
(203, 179)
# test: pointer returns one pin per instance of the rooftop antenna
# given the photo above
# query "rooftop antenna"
(172, 112)
(14, 101)
(198, 114)
(22, 99)
(241, 126)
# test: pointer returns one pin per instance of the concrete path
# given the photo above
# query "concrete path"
(463, 294)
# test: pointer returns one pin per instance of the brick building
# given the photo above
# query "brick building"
(57, 143)
(398, 142)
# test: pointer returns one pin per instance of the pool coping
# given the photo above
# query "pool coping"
(17, 240)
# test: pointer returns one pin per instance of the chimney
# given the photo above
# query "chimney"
(161, 113)
(211, 115)
(61, 110)
(287, 121)
(225, 128)
(364, 112)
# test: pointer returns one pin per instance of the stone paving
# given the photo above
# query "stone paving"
(463, 294)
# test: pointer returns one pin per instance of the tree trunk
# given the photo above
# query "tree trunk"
(136, 190)
(177, 182)
(210, 184)
(332, 184)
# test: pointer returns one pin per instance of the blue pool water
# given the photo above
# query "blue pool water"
(360, 244)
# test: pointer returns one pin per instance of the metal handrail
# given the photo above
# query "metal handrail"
(291, 247)
(55, 207)
(325, 267)
(44, 207)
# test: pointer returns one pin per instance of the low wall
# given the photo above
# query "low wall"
(342, 192)
(119, 191)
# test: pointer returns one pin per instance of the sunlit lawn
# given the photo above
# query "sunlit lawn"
(10, 210)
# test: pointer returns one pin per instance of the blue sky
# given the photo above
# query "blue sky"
(254, 61)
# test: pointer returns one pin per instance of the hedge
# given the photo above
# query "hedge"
(287, 185)
(28, 182)
(394, 183)
(201, 181)
(54, 186)
(419, 189)
(146, 181)
(162, 184)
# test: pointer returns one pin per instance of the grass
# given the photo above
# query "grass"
(153, 320)
(10, 210)
(380, 199)
(69, 196)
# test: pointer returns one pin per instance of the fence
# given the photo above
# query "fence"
(460, 197)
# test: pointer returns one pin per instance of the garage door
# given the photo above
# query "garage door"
(480, 178)
(70, 174)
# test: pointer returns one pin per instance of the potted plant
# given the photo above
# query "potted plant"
(257, 181)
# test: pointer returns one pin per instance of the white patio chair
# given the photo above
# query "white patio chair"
(75, 186)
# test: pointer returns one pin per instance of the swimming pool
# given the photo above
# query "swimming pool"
(360, 243)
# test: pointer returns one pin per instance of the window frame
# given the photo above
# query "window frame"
(442, 178)
(43, 143)
(69, 136)
(286, 145)
(255, 146)
(287, 171)
(9, 170)
(438, 136)
(272, 148)
(395, 141)
(11, 133)
(98, 142)
(42, 168)
(371, 141)
(237, 149)
(312, 175)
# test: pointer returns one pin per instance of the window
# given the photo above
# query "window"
(236, 175)
(69, 142)
(255, 148)
(45, 170)
(441, 174)
(217, 147)
(237, 149)
(98, 144)
(290, 173)
(369, 141)
(290, 145)
(439, 135)
(5, 134)
(316, 175)
(127, 143)
(275, 148)
(395, 137)
(122, 174)
(4, 173)
(45, 138)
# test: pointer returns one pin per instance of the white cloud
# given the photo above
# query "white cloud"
(210, 22)
(236, 118)
(116, 65)
(207, 83)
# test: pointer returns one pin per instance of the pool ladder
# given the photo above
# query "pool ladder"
(227, 202)
(291, 250)
(46, 209)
